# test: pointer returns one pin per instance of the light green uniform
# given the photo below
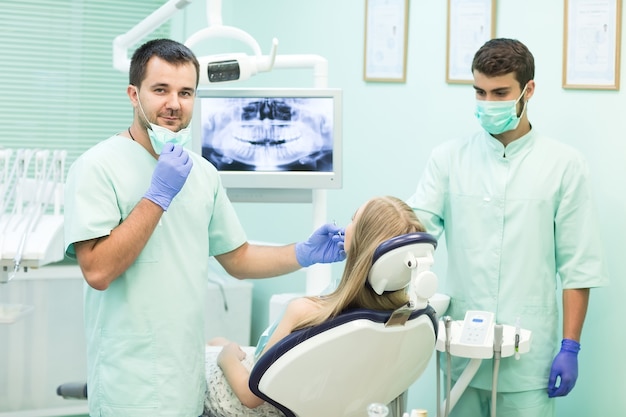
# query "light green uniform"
(145, 333)
(513, 219)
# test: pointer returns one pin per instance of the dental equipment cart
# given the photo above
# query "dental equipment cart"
(477, 337)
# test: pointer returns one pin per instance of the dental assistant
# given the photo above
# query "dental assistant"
(142, 217)
(516, 208)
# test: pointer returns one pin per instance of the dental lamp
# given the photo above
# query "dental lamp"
(231, 66)
(219, 68)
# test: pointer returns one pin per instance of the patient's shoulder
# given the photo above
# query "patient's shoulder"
(299, 308)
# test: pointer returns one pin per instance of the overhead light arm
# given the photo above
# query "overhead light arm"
(123, 42)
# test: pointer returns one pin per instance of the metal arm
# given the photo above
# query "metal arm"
(122, 42)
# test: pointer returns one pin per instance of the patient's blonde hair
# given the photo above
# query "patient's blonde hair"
(381, 219)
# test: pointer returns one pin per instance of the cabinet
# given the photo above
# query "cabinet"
(45, 346)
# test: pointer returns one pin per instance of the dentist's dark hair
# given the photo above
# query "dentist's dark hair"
(168, 50)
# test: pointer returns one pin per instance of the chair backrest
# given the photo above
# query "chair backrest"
(341, 366)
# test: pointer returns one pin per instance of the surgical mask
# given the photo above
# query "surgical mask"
(499, 116)
(160, 135)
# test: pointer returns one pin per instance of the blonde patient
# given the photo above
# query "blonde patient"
(376, 221)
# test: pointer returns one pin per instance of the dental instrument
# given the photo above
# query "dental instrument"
(35, 208)
(497, 354)
(517, 331)
(5, 177)
(339, 233)
(31, 233)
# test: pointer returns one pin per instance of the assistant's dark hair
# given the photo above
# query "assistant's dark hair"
(502, 56)
(168, 50)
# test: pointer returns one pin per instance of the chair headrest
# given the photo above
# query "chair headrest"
(394, 260)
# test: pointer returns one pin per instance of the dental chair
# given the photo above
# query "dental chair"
(359, 357)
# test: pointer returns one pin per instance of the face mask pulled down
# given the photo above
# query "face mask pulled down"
(499, 116)
(160, 135)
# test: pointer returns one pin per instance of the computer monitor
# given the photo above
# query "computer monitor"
(271, 142)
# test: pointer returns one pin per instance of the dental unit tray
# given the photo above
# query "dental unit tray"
(484, 350)
(477, 337)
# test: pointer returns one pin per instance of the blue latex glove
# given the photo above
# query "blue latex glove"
(565, 368)
(169, 176)
(325, 245)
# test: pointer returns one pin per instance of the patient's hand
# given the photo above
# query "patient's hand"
(230, 351)
(237, 374)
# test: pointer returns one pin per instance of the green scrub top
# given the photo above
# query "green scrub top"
(513, 218)
(145, 333)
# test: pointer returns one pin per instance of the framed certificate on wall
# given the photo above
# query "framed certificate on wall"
(386, 34)
(591, 44)
(470, 24)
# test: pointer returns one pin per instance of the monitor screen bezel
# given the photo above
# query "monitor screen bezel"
(280, 179)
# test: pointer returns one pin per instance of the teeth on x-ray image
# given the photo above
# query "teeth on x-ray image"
(268, 134)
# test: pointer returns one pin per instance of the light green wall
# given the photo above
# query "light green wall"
(389, 130)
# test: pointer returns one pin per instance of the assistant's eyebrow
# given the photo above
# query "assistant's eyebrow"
(478, 89)
(494, 91)
(501, 90)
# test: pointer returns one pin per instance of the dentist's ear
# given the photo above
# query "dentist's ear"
(132, 91)
(530, 90)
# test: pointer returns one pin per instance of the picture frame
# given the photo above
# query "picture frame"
(386, 36)
(470, 23)
(591, 44)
